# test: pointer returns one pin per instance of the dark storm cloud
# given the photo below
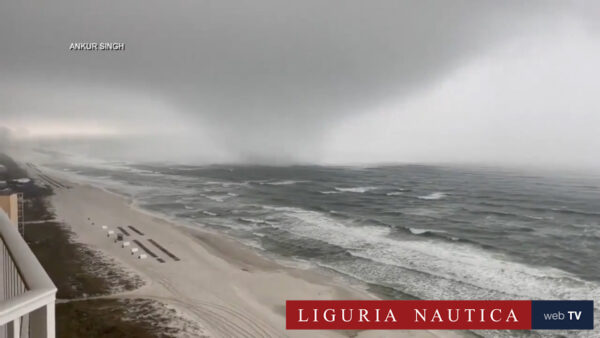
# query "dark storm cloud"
(268, 77)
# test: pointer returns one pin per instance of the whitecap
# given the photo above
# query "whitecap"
(359, 190)
(218, 198)
(464, 267)
(417, 231)
(253, 220)
(394, 193)
(286, 182)
(438, 195)
(224, 184)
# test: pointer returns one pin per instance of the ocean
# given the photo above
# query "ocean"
(404, 232)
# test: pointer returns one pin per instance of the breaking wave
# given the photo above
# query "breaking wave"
(359, 190)
(417, 231)
(433, 196)
(285, 182)
(394, 193)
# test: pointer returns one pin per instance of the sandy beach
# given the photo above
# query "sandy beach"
(226, 287)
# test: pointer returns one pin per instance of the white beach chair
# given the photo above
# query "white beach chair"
(110, 232)
(104, 227)
(143, 256)
(134, 250)
(125, 244)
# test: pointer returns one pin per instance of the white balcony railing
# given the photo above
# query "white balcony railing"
(27, 295)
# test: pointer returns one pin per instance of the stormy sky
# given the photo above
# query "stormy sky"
(327, 81)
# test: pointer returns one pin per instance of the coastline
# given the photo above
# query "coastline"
(233, 290)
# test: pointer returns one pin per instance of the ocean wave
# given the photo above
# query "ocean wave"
(253, 220)
(423, 212)
(218, 198)
(417, 231)
(319, 226)
(208, 213)
(213, 183)
(463, 269)
(394, 193)
(438, 195)
(359, 190)
(526, 206)
(279, 208)
(507, 214)
(285, 182)
(463, 264)
(225, 184)
(330, 192)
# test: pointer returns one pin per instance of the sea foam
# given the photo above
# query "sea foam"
(359, 190)
(433, 196)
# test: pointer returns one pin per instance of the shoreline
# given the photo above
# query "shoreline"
(242, 292)
(207, 237)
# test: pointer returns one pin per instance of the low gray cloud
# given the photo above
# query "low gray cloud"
(265, 80)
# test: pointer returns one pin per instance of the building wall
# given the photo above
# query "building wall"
(9, 203)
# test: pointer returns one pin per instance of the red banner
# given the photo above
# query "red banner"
(408, 315)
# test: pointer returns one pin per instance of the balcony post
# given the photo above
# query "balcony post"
(14, 329)
(41, 322)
